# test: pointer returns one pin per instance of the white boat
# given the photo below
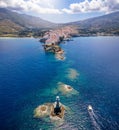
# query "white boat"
(90, 109)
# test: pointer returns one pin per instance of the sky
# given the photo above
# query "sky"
(62, 11)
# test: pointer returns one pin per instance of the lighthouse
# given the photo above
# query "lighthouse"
(57, 106)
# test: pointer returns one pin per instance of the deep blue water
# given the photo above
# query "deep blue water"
(28, 76)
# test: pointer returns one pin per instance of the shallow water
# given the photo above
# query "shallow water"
(28, 77)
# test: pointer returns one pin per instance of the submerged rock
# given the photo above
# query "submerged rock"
(72, 74)
(59, 56)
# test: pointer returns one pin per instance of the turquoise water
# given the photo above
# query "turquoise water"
(29, 77)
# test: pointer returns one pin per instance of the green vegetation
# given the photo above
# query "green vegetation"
(32, 32)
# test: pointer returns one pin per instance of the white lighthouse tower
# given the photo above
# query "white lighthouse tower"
(57, 106)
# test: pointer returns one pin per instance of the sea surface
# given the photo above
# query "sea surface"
(29, 77)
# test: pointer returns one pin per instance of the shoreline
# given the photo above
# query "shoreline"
(65, 40)
(17, 37)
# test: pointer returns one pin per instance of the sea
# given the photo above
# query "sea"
(29, 77)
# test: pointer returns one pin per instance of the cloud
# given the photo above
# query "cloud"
(68, 11)
(106, 6)
(47, 6)
(36, 6)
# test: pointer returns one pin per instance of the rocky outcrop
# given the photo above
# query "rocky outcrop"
(47, 110)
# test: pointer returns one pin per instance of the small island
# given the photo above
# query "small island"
(66, 89)
(55, 111)
(42, 110)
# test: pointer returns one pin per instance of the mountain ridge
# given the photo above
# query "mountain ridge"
(16, 17)
(107, 24)
(13, 23)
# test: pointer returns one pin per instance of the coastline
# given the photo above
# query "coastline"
(17, 37)
(80, 35)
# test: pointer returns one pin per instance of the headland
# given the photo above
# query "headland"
(53, 38)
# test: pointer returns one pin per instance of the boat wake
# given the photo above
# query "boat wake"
(94, 118)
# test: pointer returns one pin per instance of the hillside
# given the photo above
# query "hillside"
(15, 24)
(12, 22)
(107, 24)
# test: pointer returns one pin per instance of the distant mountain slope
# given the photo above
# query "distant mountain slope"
(108, 23)
(26, 25)
(13, 22)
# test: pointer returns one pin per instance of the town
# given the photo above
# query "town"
(53, 38)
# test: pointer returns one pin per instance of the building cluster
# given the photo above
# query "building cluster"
(56, 36)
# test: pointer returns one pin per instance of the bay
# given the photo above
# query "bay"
(29, 76)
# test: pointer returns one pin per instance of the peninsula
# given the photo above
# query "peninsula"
(53, 38)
